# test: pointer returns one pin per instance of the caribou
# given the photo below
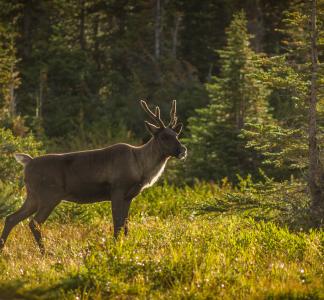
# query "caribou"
(117, 173)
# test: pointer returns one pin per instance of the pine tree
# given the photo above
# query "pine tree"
(237, 97)
(294, 142)
(10, 77)
(288, 76)
(316, 171)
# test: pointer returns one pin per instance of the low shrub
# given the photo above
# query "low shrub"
(285, 202)
(10, 170)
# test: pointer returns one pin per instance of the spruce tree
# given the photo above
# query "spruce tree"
(237, 97)
(288, 76)
(10, 77)
(294, 78)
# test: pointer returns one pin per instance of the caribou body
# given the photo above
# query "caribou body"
(117, 173)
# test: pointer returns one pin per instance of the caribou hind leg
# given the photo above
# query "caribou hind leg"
(41, 216)
(28, 208)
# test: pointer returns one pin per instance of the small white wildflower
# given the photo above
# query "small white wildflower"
(222, 285)
(302, 271)
(281, 265)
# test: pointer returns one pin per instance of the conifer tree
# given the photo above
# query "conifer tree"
(237, 97)
(9, 74)
(9, 77)
(294, 77)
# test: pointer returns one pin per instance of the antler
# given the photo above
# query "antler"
(173, 114)
(155, 117)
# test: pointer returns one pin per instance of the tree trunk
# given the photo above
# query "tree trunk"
(256, 25)
(157, 29)
(96, 54)
(82, 17)
(26, 31)
(314, 180)
(42, 91)
(210, 72)
(177, 20)
(12, 96)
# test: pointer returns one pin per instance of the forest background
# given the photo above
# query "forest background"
(248, 78)
(72, 74)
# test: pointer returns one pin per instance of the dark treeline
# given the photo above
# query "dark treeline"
(81, 62)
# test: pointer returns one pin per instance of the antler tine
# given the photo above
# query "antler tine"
(173, 113)
(155, 117)
(157, 112)
(158, 116)
(175, 122)
(147, 110)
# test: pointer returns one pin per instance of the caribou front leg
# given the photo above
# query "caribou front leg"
(120, 208)
(132, 193)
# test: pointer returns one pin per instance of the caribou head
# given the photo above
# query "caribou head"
(166, 136)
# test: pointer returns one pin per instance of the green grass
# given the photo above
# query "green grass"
(172, 252)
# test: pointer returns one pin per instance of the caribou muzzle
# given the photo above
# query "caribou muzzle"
(182, 153)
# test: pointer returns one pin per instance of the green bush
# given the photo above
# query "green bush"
(10, 170)
(11, 193)
(285, 203)
(10, 198)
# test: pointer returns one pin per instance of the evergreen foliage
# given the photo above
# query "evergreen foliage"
(80, 61)
(237, 97)
(285, 144)
(71, 75)
(11, 173)
(10, 170)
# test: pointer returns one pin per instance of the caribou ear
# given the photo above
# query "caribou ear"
(151, 128)
(177, 128)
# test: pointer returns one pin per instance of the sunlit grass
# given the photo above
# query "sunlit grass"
(170, 253)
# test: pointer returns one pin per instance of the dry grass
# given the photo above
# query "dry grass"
(169, 254)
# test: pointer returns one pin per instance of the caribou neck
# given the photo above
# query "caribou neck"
(151, 156)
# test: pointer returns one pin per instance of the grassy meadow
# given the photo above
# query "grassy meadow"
(241, 218)
(178, 248)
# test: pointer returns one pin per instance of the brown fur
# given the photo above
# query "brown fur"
(117, 173)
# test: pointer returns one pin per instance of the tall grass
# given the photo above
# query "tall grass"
(172, 252)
